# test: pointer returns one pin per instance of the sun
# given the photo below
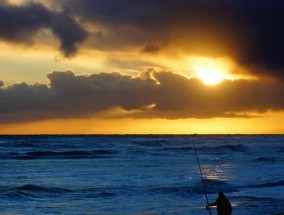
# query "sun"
(209, 75)
(210, 71)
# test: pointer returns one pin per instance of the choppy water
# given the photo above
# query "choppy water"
(139, 174)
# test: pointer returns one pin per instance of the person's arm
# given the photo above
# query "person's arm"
(212, 204)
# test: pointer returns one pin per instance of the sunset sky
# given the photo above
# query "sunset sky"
(141, 66)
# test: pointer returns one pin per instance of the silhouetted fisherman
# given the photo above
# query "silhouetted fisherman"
(224, 206)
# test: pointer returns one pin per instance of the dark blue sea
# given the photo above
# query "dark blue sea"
(140, 174)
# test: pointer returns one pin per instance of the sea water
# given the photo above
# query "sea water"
(140, 174)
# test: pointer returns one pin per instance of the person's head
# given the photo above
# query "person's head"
(221, 194)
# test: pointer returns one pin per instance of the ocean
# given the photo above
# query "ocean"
(140, 174)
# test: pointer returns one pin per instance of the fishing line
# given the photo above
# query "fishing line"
(201, 175)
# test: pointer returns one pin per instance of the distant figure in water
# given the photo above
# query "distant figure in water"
(223, 205)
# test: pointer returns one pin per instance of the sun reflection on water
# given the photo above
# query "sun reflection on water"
(217, 172)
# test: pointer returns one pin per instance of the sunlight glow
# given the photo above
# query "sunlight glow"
(273, 121)
(209, 75)
(210, 71)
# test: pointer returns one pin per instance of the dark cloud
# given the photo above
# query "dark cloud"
(70, 96)
(251, 32)
(185, 98)
(19, 24)
(151, 48)
(152, 95)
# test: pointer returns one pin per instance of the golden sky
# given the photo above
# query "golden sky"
(141, 67)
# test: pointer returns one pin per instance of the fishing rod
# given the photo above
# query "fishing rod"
(201, 175)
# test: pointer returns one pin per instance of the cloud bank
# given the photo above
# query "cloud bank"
(152, 95)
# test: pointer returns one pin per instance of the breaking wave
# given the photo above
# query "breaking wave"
(266, 159)
(29, 191)
(270, 184)
(212, 186)
(235, 148)
(62, 154)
